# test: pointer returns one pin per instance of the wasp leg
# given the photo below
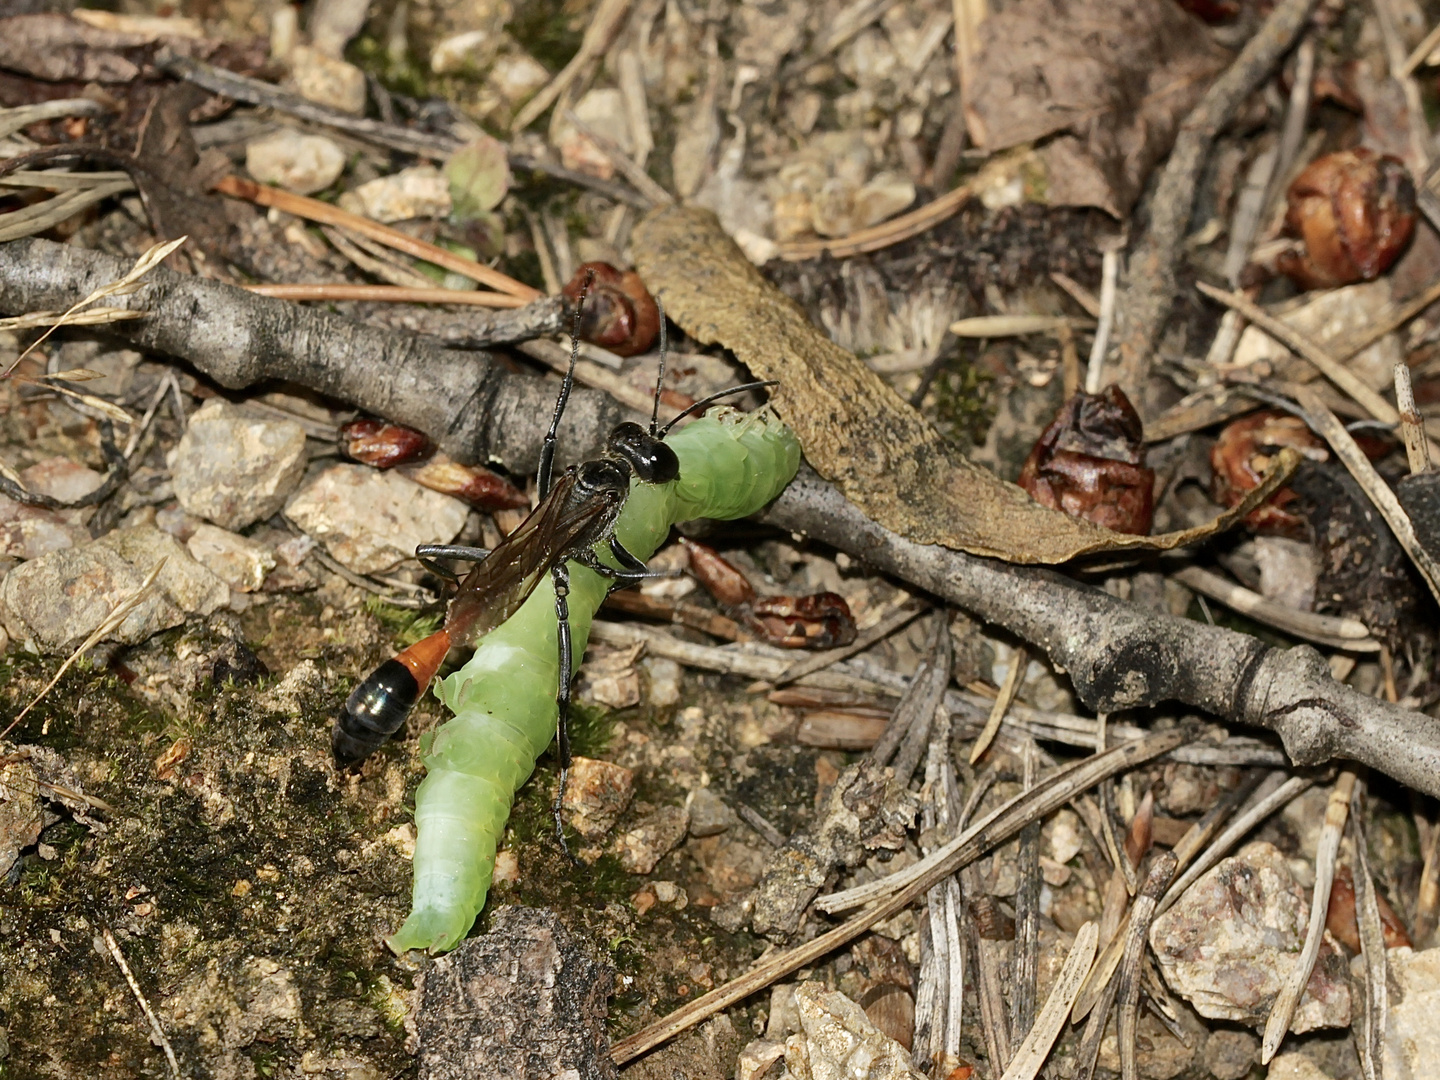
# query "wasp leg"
(425, 554)
(560, 575)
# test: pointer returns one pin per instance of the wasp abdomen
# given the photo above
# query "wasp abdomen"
(379, 705)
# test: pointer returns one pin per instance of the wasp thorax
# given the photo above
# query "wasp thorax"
(603, 476)
(652, 460)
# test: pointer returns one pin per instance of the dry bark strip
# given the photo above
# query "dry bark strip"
(856, 430)
(1118, 655)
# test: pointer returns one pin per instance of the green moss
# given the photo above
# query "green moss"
(963, 405)
(405, 625)
(548, 30)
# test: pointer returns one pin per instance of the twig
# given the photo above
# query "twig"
(1109, 278)
(604, 25)
(752, 817)
(1128, 992)
(1421, 52)
(1120, 658)
(1371, 1039)
(1151, 280)
(1328, 426)
(1020, 660)
(406, 140)
(1336, 632)
(389, 294)
(124, 285)
(993, 326)
(1283, 1011)
(885, 234)
(157, 1032)
(881, 630)
(1026, 1063)
(1412, 427)
(1280, 791)
(654, 194)
(1306, 346)
(315, 210)
(998, 827)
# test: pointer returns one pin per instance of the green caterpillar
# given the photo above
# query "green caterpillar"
(731, 465)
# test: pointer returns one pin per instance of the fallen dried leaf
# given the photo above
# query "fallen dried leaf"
(856, 431)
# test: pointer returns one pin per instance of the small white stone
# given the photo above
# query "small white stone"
(603, 112)
(240, 563)
(327, 81)
(304, 164)
(515, 76)
(370, 520)
(468, 51)
(421, 191)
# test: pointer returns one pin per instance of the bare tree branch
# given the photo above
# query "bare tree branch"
(1118, 655)
(471, 406)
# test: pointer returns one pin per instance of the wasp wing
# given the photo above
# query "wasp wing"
(495, 588)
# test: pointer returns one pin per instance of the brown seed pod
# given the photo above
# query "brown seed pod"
(729, 587)
(383, 444)
(1243, 453)
(1340, 918)
(1089, 463)
(818, 621)
(1355, 212)
(473, 484)
(620, 314)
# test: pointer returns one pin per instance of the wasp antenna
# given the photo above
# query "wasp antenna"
(547, 449)
(660, 379)
(714, 398)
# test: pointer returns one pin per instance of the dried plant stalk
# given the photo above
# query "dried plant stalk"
(1281, 1013)
(1141, 913)
(1036, 1048)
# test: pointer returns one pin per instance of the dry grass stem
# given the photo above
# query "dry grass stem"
(1328, 426)
(1109, 285)
(588, 373)
(1128, 992)
(126, 285)
(883, 235)
(1334, 631)
(1376, 1002)
(1412, 427)
(1050, 794)
(389, 294)
(375, 259)
(156, 1031)
(995, 326)
(1031, 1055)
(604, 27)
(632, 171)
(1421, 53)
(1281, 1013)
(1276, 791)
(94, 317)
(323, 213)
(1019, 661)
(1306, 347)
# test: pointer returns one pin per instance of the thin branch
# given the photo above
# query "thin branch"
(389, 294)
(1336, 632)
